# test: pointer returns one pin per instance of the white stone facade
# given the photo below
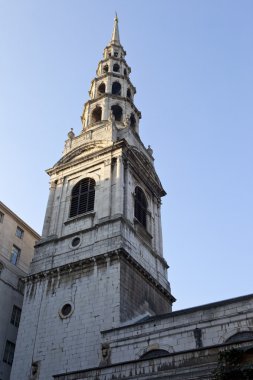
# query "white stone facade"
(192, 338)
(97, 301)
(115, 272)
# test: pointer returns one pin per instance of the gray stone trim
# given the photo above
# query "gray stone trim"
(200, 362)
(77, 265)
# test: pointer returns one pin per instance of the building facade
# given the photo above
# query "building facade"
(98, 304)
(17, 242)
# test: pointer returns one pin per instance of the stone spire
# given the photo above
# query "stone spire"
(112, 92)
(115, 33)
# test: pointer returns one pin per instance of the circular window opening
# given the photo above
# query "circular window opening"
(66, 310)
(75, 242)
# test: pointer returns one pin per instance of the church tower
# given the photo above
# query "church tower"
(99, 264)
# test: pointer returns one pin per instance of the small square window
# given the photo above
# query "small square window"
(15, 254)
(1, 217)
(19, 233)
(15, 316)
(9, 352)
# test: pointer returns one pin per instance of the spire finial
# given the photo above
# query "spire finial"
(115, 32)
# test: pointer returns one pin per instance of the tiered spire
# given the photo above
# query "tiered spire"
(112, 92)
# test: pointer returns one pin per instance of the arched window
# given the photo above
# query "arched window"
(117, 112)
(240, 336)
(116, 67)
(105, 68)
(154, 354)
(101, 89)
(132, 121)
(129, 95)
(116, 88)
(96, 114)
(125, 72)
(82, 197)
(140, 206)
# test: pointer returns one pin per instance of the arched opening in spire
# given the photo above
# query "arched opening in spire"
(129, 95)
(117, 112)
(132, 121)
(140, 206)
(105, 68)
(116, 68)
(101, 89)
(96, 114)
(116, 88)
(125, 71)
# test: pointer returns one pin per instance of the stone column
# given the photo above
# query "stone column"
(48, 215)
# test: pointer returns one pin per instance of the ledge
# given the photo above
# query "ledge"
(86, 215)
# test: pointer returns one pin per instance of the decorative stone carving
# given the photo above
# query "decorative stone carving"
(71, 134)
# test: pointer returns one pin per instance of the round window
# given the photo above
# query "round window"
(66, 310)
(76, 241)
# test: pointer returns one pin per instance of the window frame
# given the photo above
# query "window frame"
(19, 232)
(21, 286)
(1, 217)
(140, 207)
(82, 197)
(9, 352)
(17, 254)
(15, 316)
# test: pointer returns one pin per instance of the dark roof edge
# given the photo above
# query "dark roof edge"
(185, 311)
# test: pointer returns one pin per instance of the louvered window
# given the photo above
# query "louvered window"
(83, 197)
(140, 206)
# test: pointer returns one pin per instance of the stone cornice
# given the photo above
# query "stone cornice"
(55, 238)
(147, 173)
(77, 265)
(119, 59)
(19, 220)
(67, 161)
(207, 361)
(116, 97)
(116, 75)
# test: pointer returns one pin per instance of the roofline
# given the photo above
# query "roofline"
(182, 312)
(19, 220)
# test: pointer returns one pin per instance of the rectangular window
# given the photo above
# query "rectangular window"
(21, 286)
(15, 254)
(9, 352)
(19, 233)
(1, 217)
(15, 316)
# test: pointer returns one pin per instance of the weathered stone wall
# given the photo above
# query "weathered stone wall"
(197, 364)
(138, 296)
(183, 330)
(67, 343)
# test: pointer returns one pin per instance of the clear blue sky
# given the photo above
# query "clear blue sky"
(192, 65)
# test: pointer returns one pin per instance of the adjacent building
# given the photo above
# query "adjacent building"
(17, 242)
(98, 304)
